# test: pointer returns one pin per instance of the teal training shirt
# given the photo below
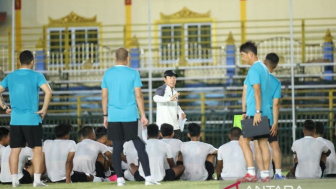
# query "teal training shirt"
(24, 86)
(120, 82)
(275, 92)
(257, 74)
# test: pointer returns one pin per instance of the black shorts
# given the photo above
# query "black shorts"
(170, 175)
(27, 178)
(272, 138)
(22, 134)
(79, 177)
(123, 131)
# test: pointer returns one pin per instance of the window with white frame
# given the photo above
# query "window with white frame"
(170, 43)
(197, 39)
(83, 45)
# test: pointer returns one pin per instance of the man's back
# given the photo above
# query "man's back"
(5, 175)
(194, 157)
(158, 152)
(23, 86)
(331, 159)
(120, 82)
(234, 165)
(56, 154)
(86, 155)
(308, 151)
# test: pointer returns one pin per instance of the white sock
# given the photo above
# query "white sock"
(121, 179)
(15, 178)
(97, 179)
(251, 171)
(37, 178)
(278, 171)
(264, 174)
(148, 178)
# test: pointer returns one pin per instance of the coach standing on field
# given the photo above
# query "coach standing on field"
(121, 98)
(26, 121)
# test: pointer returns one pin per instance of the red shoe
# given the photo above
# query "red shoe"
(248, 178)
(267, 179)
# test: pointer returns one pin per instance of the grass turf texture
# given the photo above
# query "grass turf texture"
(274, 184)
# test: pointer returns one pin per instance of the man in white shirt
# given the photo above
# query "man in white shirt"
(307, 153)
(25, 176)
(59, 154)
(4, 140)
(167, 133)
(198, 157)
(158, 153)
(87, 152)
(330, 161)
(131, 156)
(103, 164)
(167, 108)
(231, 164)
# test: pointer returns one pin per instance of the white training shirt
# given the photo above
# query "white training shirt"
(331, 159)
(158, 152)
(194, 157)
(2, 148)
(56, 154)
(166, 110)
(175, 146)
(5, 175)
(308, 152)
(234, 165)
(86, 155)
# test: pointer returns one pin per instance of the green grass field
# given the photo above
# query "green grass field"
(274, 184)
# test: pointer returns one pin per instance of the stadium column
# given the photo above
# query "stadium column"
(128, 26)
(18, 45)
(135, 52)
(328, 49)
(243, 20)
(230, 58)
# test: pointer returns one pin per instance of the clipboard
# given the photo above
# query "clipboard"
(248, 130)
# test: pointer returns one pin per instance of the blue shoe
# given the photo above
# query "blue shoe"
(279, 177)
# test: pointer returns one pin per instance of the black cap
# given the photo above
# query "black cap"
(169, 73)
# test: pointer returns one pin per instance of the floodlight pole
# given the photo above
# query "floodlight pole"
(292, 68)
(150, 63)
(13, 35)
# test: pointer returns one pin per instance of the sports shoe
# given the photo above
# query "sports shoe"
(279, 177)
(248, 178)
(15, 184)
(121, 182)
(39, 184)
(152, 182)
(267, 179)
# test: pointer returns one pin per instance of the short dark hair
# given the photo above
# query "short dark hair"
(319, 128)
(3, 132)
(272, 59)
(309, 125)
(152, 130)
(85, 131)
(100, 132)
(62, 129)
(249, 47)
(121, 54)
(235, 132)
(194, 130)
(26, 57)
(167, 129)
